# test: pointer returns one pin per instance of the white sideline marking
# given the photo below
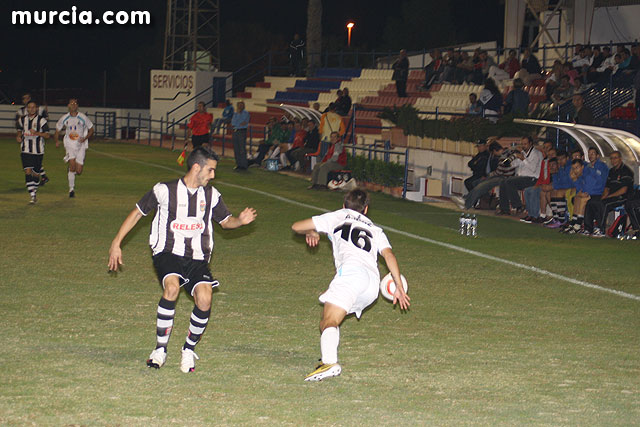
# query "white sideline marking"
(411, 235)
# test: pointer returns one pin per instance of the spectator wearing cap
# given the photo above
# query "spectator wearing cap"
(478, 165)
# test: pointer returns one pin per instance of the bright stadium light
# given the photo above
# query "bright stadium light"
(350, 25)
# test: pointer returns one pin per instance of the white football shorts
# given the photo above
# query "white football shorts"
(352, 289)
(75, 151)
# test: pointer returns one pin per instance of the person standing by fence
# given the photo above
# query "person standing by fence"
(401, 74)
(240, 123)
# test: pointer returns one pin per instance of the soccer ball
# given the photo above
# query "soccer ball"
(388, 286)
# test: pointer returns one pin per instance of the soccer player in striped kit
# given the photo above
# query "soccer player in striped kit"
(76, 141)
(42, 112)
(32, 131)
(182, 241)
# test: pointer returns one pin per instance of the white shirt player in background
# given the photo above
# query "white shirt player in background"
(356, 244)
(76, 141)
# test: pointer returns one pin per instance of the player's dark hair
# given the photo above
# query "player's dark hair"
(356, 200)
(577, 161)
(200, 156)
(577, 150)
(562, 153)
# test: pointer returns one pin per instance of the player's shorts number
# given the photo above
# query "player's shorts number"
(360, 237)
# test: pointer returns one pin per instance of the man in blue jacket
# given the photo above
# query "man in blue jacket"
(598, 166)
(588, 187)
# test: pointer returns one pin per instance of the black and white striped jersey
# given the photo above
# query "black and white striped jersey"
(183, 224)
(22, 111)
(33, 144)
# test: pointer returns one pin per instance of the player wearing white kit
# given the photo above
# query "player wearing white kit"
(356, 244)
(76, 141)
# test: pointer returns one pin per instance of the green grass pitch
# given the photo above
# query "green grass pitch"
(485, 343)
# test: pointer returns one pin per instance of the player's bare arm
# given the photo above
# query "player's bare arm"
(89, 135)
(247, 216)
(19, 136)
(399, 296)
(115, 252)
(56, 138)
(307, 227)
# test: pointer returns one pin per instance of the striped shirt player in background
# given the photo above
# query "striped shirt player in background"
(42, 112)
(182, 241)
(356, 244)
(76, 141)
(32, 131)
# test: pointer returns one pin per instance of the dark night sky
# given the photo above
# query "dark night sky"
(71, 51)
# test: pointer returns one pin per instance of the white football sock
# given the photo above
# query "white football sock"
(72, 180)
(329, 341)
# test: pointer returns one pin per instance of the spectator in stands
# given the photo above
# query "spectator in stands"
(530, 68)
(561, 183)
(533, 195)
(227, 115)
(507, 69)
(343, 103)
(449, 66)
(240, 123)
(199, 126)
(491, 100)
(517, 101)
(311, 143)
(527, 163)
(316, 106)
(330, 122)
(335, 159)
(433, 70)
(502, 167)
(474, 108)
(583, 114)
(478, 165)
(401, 74)
(634, 63)
(583, 59)
(296, 55)
(298, 142)
(564, 92)
(619, 182)
(608, 67)
(464, 68)
(274, 136)
(588, 188)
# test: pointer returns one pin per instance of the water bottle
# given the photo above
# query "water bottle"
(468, 225)
(461, 230)
(474, 226)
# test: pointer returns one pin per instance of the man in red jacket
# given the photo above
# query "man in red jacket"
(334, 160)
(199, 126)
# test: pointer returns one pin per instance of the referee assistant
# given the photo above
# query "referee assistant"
(199, 126)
